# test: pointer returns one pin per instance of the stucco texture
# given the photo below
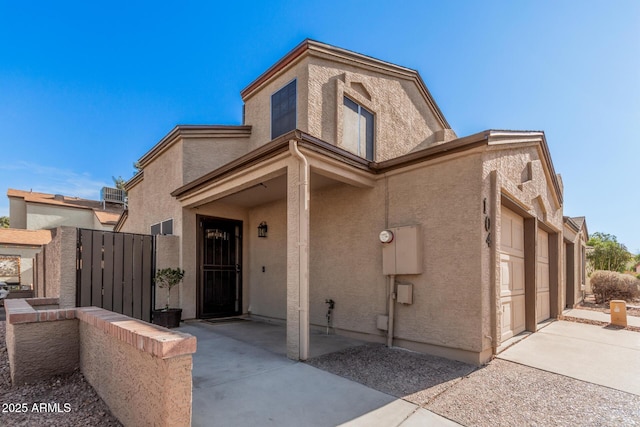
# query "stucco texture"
(202, 155)
(162, 398)
(521, 175)
(403, 119)
(150, 200)
(52, 349)
(258, 107)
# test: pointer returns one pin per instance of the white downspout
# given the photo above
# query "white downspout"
(392, 297)
(303, 250)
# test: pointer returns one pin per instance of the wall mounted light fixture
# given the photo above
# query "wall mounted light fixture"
(262, 229)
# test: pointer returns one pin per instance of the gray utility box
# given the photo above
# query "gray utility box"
(403, 254)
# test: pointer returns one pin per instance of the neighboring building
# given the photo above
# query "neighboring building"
(17, 250)
(38, 211)
(279, 214)
(576, 237)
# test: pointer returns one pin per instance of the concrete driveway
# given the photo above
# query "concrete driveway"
(242, 378)
(596, 354)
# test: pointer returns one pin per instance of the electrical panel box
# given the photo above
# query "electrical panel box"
(402, 250)
(404, 294)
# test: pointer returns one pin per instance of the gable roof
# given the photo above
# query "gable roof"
(193, 131)
(337, 54)
(578, 223)
(13, 236)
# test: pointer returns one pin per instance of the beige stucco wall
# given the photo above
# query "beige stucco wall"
(346, 257)
(268, 289)
(445, 199)
(150, 200)
(403, 119)
(40, 217)
(141, 371)
(42, 349)
(579, 273)
(258, 107)
(17, 213)
(511, 162)
(138, 388)
(58, 277)
(167, 256)
(202, 155)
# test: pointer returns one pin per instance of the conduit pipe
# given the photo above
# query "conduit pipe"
(392, 297)
(303, 249)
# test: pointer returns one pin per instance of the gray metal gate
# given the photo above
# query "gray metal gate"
(115, 272)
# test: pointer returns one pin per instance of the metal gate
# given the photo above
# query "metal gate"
(115, 272)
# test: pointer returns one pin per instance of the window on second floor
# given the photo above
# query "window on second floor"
(357, 129)
(283, 110)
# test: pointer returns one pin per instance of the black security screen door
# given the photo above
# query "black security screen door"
(220, 284)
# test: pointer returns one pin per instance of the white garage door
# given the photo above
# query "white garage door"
(512, 273)
(542, 277)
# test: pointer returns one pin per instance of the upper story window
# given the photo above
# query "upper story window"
(164, 228)
(357, 129)
(283, 110)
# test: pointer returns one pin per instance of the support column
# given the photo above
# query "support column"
(297, 259)
(530, 273)
(556, 289)
(569, 276)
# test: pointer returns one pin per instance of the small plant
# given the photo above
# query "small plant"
(168, 278)
(608, 285)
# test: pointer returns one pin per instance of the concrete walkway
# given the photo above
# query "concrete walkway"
(599, 316)
(596, 354)
(237, 382)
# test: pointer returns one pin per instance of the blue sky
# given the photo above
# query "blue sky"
(86, 88)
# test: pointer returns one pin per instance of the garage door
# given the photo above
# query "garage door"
(542, 277)
(512, 274)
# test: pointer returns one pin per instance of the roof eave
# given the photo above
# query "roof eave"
(184, 131)
(504, 136)
(312, 47)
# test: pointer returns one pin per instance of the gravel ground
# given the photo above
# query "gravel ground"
(501, 393)
(85, 408)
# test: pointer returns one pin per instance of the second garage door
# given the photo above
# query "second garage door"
(512, 274)
(542, 277)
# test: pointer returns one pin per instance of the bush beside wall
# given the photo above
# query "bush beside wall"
(609, 285)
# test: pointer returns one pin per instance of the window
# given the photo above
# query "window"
(357, 129)
(164, 228)
(283, 110)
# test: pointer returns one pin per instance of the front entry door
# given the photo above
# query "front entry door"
(220, 284)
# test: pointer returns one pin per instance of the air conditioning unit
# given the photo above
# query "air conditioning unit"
(113, 195)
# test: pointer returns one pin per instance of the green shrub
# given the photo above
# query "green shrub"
(608, 285)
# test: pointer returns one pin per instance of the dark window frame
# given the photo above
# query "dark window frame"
(284, 109)
(369, 143)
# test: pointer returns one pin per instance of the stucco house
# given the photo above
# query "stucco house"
(575, 236)
(39, 211)
(346, 182)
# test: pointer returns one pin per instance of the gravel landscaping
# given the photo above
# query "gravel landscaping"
(66, 400)
(501, 393)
